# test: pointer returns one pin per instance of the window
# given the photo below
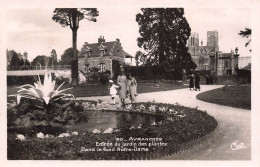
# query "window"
(102, 67)
(102, 52)
(88, 53)
(102, 49)
(86, 68)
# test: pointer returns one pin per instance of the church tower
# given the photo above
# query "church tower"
(193, 39)
(193, 43)
(212, 38)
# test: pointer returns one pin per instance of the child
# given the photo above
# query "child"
(113, 91)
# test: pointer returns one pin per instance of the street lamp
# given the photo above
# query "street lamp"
(236, 50)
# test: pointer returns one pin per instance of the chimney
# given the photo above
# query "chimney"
(117, 40)
(101, 39)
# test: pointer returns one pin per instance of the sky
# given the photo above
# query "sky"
(33, 31)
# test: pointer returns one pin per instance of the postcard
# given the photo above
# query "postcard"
(129, 83)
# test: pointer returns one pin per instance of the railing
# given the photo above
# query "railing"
(21, 68)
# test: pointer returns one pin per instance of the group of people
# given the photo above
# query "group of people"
(126, 86)
(197, 82)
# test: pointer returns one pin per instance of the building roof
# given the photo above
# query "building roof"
(94, 49)
(225, 55)
(128, 55)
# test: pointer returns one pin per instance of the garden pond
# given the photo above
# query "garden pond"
(104, 119)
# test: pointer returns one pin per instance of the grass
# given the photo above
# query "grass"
(87, 90)
(233, 96)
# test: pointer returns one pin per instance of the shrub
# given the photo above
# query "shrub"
(244, 75)
(33, 113)
(156, 72)
(180, 125)
(104, 77)
(20, 80)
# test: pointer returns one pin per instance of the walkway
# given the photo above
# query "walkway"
(234, 125)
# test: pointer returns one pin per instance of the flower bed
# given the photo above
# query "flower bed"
(180, 125)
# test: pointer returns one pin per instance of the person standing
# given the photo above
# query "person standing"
(197, 82)
(122, 82)
(113, 91)
(192, 81)
(132, 87)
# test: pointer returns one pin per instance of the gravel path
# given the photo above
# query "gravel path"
(234, 125)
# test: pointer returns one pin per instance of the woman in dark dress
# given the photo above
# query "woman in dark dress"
(197, 82)
(192, 81)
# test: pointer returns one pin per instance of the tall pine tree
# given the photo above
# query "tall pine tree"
(71, 17)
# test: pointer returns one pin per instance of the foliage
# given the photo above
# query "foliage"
(71, 17)
(156, 72)
(54, 55)
(244, 75)
(246, 33)
(42, 60)
(32, 113)
(180, 125)
(164, 34)
(20, 80)
(105, 76)
(116, 69)
(15, 61)
(43, 92)
(139, 58)
(67, 56)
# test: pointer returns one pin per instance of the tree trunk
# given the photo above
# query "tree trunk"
(74, 63)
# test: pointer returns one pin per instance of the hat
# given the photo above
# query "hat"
(110, 81)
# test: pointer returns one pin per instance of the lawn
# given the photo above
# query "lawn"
(87, 90)
(233, 96)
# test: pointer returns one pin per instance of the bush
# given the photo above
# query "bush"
(34, 113)
(156, 72)
(104, 77)
(180, 125)
(20, 80)
(244, 75)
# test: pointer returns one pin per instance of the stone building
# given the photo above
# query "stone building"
(104, 56)
(209, 57)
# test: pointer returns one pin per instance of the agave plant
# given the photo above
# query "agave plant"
(44, 92)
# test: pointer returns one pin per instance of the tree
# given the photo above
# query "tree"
(71, 17)
(246, 33)
(164, 34)
(54, 57)
(42, 60)
(67, 56)
(138, 56)
(24, 62)
(15, 60)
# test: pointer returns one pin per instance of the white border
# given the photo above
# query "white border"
(253, 4)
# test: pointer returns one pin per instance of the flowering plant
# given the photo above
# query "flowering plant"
(43, 92)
